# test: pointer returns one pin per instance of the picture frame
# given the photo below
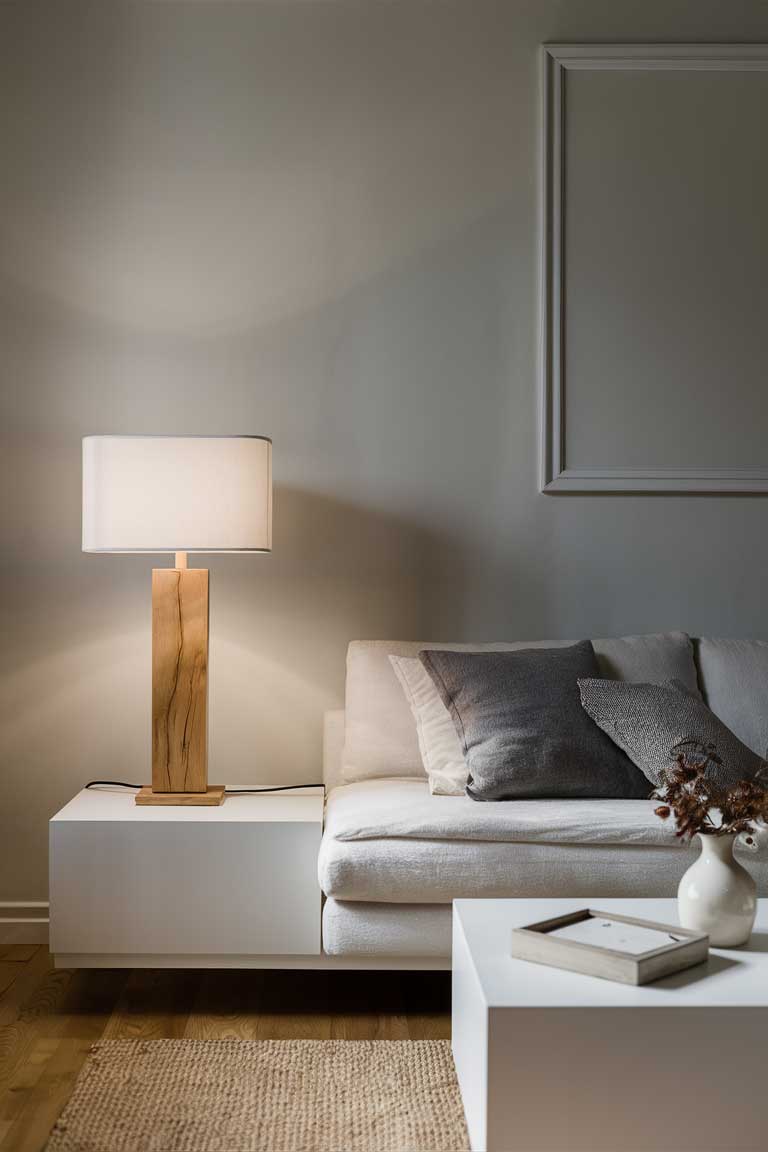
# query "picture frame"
(610, 946)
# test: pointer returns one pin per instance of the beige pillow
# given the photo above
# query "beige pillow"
(439, 745)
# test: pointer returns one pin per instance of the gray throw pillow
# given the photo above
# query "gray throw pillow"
(522, 728)
(648, 720)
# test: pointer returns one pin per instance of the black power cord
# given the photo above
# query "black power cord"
(227, 791)
(277, 788)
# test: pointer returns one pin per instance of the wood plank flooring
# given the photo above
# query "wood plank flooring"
(49, 1019)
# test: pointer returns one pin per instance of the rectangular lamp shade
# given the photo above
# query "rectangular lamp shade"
(177, 494)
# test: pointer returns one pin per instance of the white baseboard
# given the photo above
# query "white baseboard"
(24, 911)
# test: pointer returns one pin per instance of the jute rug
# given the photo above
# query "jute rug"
(270, 1095)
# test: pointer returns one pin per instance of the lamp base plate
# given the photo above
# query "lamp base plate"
(214, 794)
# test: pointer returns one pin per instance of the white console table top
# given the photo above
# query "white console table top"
(731, 978)
(296, 806)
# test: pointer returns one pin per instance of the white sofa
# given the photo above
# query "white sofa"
(393, 856)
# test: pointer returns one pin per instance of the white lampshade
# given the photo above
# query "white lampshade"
(177, 494)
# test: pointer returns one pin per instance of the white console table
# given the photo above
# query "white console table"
(228, 886)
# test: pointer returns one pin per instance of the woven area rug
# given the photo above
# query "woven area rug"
(275, 1095)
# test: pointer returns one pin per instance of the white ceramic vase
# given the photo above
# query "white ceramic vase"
(717, 896)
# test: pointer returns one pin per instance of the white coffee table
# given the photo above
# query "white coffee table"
(549, 1059)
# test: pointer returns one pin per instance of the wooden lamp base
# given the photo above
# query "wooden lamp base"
(214, 794)
(180, 688)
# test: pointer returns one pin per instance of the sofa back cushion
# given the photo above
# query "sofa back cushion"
(381, 739)
(734, 682)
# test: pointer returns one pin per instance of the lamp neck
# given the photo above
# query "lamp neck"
(181, 560)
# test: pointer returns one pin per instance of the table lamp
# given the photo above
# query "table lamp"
(178, 494)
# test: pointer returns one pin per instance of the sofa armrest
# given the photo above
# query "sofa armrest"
(333, 747)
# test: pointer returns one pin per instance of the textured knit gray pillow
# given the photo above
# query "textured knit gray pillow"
(522, 729)
(648, 720)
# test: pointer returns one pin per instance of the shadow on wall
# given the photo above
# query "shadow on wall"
(280, 624)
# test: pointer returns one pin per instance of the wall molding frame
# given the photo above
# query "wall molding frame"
(557, 59)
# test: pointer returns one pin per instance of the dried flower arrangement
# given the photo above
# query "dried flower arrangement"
(698, 802)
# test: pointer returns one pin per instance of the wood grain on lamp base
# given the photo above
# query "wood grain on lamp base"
(180, 681)
(214, 794)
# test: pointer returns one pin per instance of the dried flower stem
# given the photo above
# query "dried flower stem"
(693, 796)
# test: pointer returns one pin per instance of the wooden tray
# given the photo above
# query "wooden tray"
(610, 946)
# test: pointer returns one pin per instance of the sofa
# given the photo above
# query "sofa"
(393, 856)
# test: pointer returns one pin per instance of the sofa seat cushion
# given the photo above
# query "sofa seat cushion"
(390, 841)
(404, 809)
(409, 872)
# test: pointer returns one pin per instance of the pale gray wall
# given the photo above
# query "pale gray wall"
(316, 220)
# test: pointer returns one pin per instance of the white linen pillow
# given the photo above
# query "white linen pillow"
(441, 752)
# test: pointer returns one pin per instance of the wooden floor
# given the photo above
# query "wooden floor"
(49, 1018)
